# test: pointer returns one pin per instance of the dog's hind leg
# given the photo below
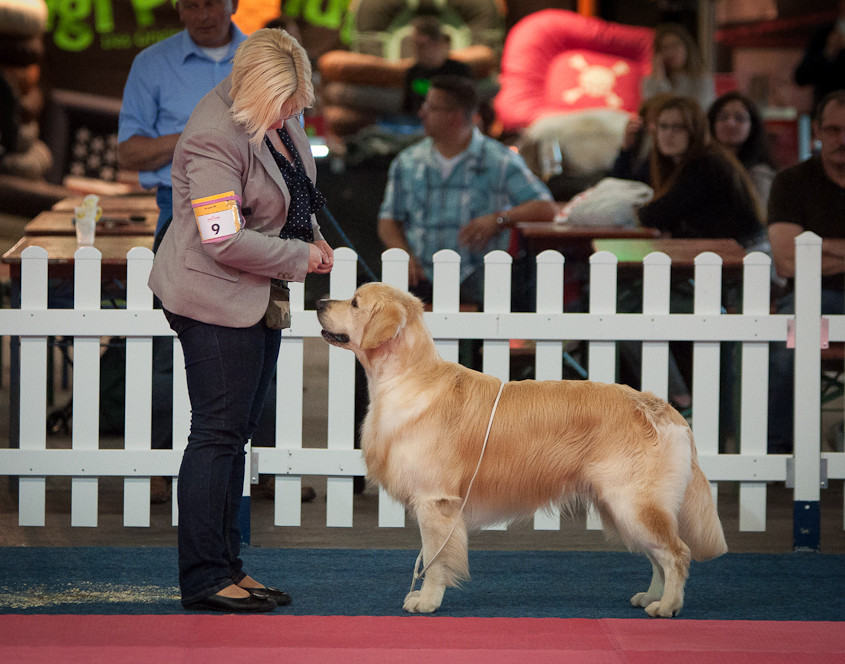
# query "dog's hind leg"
(449, 564)
(655, 589)
(649, 528)
(674, 559)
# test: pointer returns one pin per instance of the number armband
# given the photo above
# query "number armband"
(217, 216)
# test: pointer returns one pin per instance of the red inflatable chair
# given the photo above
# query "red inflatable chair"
(556, 61)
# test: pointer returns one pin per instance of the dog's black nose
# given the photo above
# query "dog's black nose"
(321, 304)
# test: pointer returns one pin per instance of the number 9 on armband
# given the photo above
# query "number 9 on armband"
(218, 216)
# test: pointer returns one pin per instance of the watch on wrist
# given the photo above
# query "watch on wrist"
(503, 221)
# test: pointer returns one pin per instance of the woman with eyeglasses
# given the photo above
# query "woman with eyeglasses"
(243, 226)
(700, 189)
(735, 124)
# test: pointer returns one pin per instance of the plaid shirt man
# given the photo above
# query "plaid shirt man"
(488, 178)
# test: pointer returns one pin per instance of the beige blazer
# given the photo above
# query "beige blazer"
(228, 282)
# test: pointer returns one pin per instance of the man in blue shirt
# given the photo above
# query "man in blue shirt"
(457, 189)
(164, 85)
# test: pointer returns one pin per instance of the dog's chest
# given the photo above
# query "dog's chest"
(396, 444)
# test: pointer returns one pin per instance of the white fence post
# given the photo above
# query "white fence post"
(496, 358)
(705, 359)
(446, 296)
(139, 358)
(807, 437)
(602, 354)
(602, 358)
(341, 425)
(497, 300)
(548, 360)
(753, 395)
(394, 266)
(656, 288)
(85, 434)
(33, 386)
(287, 508)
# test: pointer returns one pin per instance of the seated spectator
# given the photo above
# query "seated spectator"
(736, 125)
(823, 64)
(633, 160)
(809, 196)
(700, 189)
(678, 66)
(165, 83)
(431, 55)
(457, 189)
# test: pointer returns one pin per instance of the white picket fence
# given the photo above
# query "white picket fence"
(549, 326)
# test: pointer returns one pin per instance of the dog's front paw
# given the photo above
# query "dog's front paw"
(642, 600)
(662, 610)
(416, 603)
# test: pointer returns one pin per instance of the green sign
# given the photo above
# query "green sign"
(76, 25)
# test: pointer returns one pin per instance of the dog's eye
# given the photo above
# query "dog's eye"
(354, 303)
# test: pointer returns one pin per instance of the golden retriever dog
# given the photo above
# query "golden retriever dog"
(551, 444)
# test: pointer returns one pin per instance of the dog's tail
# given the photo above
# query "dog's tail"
(698, 521)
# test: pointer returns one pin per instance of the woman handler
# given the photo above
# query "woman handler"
(243, 220)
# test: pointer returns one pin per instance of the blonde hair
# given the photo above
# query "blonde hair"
(270, 70)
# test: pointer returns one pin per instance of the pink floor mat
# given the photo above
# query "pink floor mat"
(349, 640)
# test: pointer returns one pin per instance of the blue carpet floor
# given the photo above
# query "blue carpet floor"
(564, 584)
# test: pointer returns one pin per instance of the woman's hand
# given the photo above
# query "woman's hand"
(632, 132)
(658, 67)
(321, 259)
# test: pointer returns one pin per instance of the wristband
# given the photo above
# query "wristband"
(503, 221)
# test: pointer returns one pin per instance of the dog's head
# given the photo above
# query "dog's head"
(375, 315)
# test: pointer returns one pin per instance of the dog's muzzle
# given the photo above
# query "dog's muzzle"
(335, 338)
(332, 338)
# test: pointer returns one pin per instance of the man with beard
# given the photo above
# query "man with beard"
(809, 196)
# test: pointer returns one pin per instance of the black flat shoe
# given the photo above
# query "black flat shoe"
(280, 597)
(251, 604)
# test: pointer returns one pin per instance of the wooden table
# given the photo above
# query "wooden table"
(682, 251)
(542, 235)
(61, 248)
(60, 222)
(114, 204)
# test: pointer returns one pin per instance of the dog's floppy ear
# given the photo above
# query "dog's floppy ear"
(386, 319)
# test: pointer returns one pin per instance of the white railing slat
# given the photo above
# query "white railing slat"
(139, 353)
(548, 360)
(32, 491)
(341, 406)
(754, 399)
(656, 288)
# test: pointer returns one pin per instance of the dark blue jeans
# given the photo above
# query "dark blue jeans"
(782, 376)
(229, 372)
(164, 201)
